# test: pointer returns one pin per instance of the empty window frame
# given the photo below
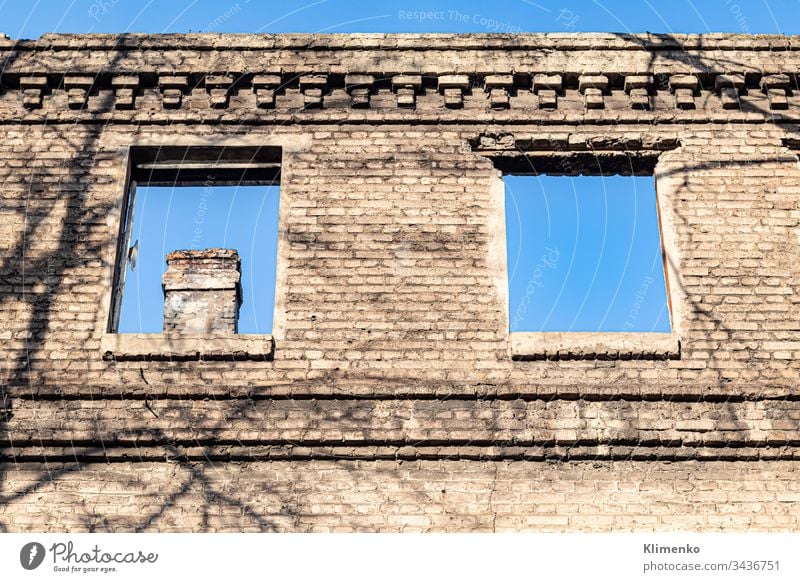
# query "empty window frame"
(195, 198)
(585, 254)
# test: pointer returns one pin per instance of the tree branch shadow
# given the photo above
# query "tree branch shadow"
(52, 267)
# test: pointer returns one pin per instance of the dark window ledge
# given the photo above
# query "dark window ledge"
(158, 346)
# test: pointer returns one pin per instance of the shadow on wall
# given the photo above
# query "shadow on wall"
(44, 189)
(698, 309)
(47, 189)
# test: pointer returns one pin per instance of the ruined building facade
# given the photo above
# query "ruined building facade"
(391, 395)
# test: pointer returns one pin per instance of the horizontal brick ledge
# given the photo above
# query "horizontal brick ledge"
(186, 437)
(157, 346)
(382, 388)
(406, 41)
(76, 456)
(594, 345)
(397, 117)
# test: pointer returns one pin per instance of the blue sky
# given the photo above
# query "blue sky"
(31, 18)
(583, 253)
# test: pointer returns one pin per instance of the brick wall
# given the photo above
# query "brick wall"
(392, 401)
(409, 496)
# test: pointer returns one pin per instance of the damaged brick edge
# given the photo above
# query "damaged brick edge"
(409, 41)
(157, 346)
(597, 346)
(383, 388)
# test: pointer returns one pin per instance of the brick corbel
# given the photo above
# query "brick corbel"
(637, 87)
(125, 87)
(265, 86)
(453, 88)
(359, 87)
(406, 88)
(684, 88)
(313, 88)
(33, 89)
(592, 88)
(547, 87)
(729, 87)
(77, 87)
(172, 89)
(498, 87)
(219, 88)
(775, 87)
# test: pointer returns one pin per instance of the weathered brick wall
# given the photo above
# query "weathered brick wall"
(392, 401)
(410, 496)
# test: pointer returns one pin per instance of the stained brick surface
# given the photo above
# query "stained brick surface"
(392, 402)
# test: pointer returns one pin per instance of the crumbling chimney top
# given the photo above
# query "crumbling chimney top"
(202, 291)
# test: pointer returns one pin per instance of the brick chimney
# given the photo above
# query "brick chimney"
(202, 293)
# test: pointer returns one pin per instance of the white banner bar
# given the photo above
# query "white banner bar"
(400, 557)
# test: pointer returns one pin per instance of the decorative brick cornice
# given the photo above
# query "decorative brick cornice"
(531, 95)
(519, 77)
